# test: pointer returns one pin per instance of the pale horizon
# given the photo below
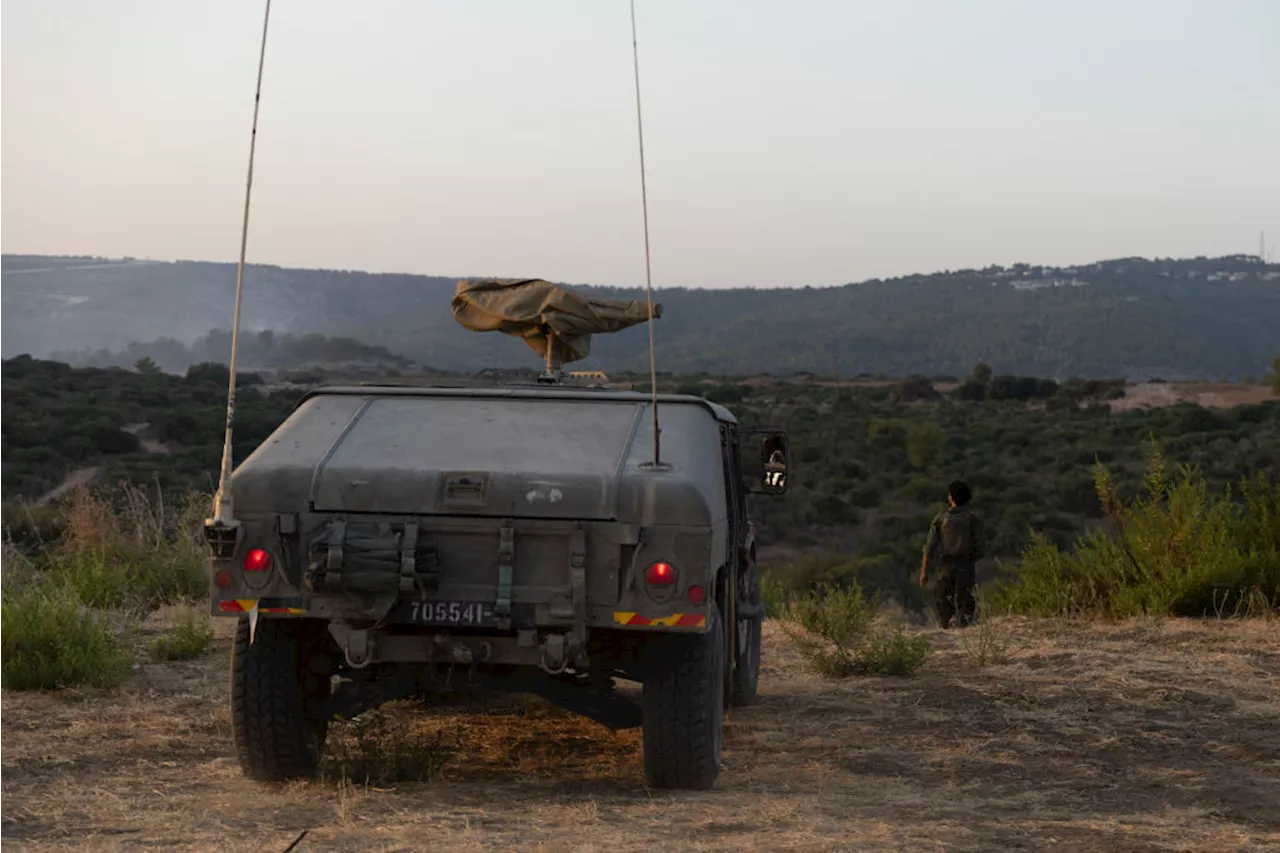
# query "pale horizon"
(819, 145)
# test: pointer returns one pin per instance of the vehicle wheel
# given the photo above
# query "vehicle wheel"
(270, 685)
(746, 676)
(683, 707)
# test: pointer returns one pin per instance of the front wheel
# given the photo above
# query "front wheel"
(683, 708)
(750, 628)
(271, 682)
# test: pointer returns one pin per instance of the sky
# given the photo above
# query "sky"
(787, 144)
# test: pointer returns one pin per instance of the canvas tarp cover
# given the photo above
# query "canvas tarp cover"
(529, 308)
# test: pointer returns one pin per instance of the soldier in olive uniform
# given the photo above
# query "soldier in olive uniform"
(957, 540)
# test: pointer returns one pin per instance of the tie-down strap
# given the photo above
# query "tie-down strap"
(506, 567)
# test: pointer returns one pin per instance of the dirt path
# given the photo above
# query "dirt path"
(74, 480)
(85, 476)
(1143, 736)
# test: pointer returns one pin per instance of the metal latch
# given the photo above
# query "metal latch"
(408, 561)
(333, 562)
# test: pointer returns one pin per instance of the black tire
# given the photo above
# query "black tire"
(746, 655)
(683, 707)
(271, 682)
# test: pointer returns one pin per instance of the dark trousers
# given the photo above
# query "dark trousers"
(953, 592)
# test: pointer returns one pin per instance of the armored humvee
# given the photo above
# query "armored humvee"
(391, 542)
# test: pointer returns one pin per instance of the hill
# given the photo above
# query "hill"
(1201, 318)
(1148, 735)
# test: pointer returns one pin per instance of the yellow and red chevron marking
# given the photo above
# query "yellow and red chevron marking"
(237, 605)
(675, 620)
(246, 605)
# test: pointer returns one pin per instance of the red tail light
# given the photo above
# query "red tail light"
(661, 574)
(696, 594)
(222, 578)
(257, 560)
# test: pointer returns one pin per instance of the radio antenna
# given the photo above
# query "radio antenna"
(648, 272)
(223, 511)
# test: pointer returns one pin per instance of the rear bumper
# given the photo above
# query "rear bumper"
(688, 619)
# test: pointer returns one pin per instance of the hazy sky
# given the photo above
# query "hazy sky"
(788, 143)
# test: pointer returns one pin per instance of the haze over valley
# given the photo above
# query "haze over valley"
(1201, 318)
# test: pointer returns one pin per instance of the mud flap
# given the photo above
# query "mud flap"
(253, 622)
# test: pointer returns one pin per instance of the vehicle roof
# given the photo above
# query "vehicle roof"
(531, 391)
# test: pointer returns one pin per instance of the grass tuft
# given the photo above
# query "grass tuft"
(189, 637)
(991, 639)
(837, 630)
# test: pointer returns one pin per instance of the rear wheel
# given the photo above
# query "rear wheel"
(683, 708)
(271, 683)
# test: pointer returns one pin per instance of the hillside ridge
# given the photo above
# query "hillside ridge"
(1199, 318)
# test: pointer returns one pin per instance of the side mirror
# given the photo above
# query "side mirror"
(772, 475)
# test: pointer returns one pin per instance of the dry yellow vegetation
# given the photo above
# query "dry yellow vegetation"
(1135, 736)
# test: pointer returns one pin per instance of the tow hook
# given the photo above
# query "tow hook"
(358, 649)
(555, 654)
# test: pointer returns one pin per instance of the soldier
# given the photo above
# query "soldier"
(957, 540)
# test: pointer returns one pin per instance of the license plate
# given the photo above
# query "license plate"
(461, 614)
(465, 614)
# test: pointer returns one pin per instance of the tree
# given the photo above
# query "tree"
(146, 366)
(982, 372)
(915, 388)
(886, 434)
(925, 444)
(972, 390)
(1004, 388)
(1274, 379)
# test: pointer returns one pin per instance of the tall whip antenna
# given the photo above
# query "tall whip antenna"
(223, 515)
(648, 272)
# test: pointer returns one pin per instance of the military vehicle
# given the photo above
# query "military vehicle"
(392, 542)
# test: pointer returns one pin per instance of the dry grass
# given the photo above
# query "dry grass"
(1145, 735)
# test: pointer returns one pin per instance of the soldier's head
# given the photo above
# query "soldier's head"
(959, 493)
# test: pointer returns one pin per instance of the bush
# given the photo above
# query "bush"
(1177, 551)
(189, 637)
(837, 632)
(50, 640)
(130, 552)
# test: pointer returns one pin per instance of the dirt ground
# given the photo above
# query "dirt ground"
(1161, 735)
(1211, 395)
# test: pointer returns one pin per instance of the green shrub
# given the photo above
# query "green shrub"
(837, 632)
(1180, 550)
(50, 639)
(114, 577)
(189, 637)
